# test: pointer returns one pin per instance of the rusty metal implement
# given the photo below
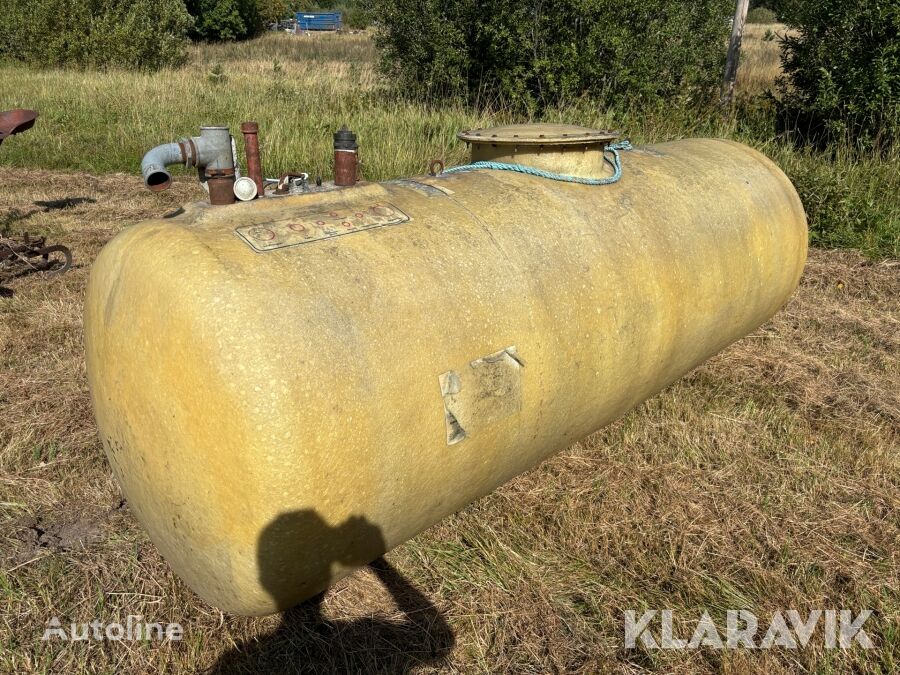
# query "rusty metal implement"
(23, 255)
(26, 255)
(16, 121)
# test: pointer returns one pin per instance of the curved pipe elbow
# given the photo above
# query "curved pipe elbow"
(153, 166)
(212, 149)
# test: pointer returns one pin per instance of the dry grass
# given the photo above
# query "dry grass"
(760, 58)
(769, 478)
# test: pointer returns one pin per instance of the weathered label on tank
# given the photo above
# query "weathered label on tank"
(426, 189)
(489, 389)
(315, 224)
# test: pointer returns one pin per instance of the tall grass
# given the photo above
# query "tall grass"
(301, 89)
(760, 58)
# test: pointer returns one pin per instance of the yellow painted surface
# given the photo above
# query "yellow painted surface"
(559, 148)
(280, 403)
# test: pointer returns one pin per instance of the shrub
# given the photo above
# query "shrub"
(842, 71)
(534, 54)
(271, 11)
(224, 20)
(776, 6)
(851, 202)
(138, 34)
(356, 17)
(761, 15)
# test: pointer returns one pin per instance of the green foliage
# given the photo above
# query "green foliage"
(217, 74)
(851, 202)
(138, 34)
(842, 71)
(271, 11)
(777, 7)
(224, 20)
(356, 17)
(531, 55)
(761, 15)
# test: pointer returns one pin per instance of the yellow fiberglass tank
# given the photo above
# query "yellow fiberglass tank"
(286, 388)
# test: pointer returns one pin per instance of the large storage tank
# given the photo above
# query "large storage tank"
(286, 388)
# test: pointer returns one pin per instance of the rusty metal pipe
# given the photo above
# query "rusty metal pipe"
(345, 157)
(221, 186)
(250, 130)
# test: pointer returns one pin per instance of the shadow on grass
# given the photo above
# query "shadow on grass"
(44, 206)
(307, 641)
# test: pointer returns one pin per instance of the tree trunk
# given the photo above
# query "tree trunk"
(734, 51)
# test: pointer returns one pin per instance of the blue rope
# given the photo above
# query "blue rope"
(613, 149)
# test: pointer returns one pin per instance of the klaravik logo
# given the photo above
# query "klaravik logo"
(654, 629)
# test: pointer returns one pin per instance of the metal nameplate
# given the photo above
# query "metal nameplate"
(315, 224)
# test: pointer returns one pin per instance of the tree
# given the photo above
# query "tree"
(223, 20)
(138, 34)
(271, 11)
(775, 6)
(534, 53)
(841, 62)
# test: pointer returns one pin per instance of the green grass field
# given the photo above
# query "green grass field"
(767, 479)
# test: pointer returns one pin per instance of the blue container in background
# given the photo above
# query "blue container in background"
(318, 21)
